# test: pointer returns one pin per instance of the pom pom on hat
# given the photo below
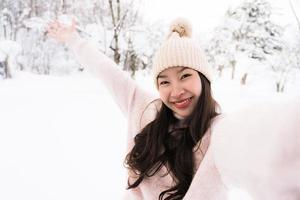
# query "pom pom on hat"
(182, 26)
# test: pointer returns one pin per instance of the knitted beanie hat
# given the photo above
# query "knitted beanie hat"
(180, 50)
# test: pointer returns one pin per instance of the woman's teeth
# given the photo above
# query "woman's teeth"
(182, 102)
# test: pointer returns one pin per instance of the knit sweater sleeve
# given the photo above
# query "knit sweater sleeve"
(126, 93)
(257, 149)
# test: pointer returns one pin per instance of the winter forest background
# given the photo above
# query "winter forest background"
(61, 134)
(247, 43)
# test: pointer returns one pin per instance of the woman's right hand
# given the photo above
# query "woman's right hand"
(59, 31)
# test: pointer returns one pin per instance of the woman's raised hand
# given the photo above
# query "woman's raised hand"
(61, 32)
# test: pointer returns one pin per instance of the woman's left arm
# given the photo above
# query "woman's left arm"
(257, 149)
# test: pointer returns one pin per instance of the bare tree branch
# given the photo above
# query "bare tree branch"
(112, 12)
(118, 10)
(294, 12)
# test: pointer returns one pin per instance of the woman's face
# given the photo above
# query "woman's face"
(179, 89)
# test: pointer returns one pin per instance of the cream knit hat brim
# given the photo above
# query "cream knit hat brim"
(180, 50)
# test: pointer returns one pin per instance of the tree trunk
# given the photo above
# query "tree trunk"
(279, 87)
(7, 73)
(116, 49)
(220, 69)
(233, 63)
(4, 31)
(232, 72)
(115, 19)
(64, 6)
(244, 78)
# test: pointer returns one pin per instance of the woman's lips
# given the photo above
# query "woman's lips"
(183, 104)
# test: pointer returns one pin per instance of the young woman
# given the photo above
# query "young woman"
(168, 137)
(170, 155)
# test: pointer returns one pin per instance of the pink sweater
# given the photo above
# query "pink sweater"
(253, 149)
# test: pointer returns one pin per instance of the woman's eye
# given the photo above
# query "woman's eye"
(185, 75)
(163, 82)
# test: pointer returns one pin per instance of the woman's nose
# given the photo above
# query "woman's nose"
(177, 91)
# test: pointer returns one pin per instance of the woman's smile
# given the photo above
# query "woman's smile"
(182, 104)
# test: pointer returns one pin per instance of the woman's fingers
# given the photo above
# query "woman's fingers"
(51, 26)
(52, 35)
(60, 32)
(58, 25)
(54, 27)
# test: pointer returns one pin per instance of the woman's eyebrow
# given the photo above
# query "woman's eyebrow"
(161, 76)
(181, 70)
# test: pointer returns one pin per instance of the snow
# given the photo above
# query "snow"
(64, 137)
(9, 47)
(61, 138)
(36, 23)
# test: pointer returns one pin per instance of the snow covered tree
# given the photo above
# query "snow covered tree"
(221, 50)
(256, 34)
(126, 34)
(284, 66)
(4, 67)
(9, 51)
(297, 54)
(12, 15)
(116, 26)
(143, 41)
(247, 29)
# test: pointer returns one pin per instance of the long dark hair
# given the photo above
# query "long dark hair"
(156, 146)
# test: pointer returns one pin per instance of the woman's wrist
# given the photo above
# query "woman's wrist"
(74, 40)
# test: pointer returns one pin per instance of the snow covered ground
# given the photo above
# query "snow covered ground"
(61, 138)
(64, 138)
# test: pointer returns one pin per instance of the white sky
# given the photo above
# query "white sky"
(207, 14)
